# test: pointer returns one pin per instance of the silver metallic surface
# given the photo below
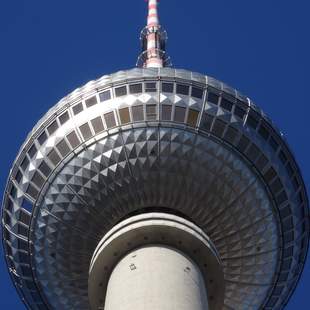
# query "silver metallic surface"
(218, 160)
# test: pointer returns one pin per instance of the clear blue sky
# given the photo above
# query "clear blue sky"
(50, 47)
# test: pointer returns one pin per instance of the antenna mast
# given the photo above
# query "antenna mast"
(153, 39)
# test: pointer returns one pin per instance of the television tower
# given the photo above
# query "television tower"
(155, 188)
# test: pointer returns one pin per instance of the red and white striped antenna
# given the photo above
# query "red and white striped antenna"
(153, 38)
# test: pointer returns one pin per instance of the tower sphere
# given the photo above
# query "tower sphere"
(168, 148)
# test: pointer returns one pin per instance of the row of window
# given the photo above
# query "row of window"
(228, 133)
(87, 130)
(256, 123)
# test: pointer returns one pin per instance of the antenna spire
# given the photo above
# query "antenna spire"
(153, 39)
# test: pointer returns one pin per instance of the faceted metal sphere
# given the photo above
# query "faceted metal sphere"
(158, 140)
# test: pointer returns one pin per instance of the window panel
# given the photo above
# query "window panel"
(120, 91)
(197, 92)
(91, 101)
(124, 115)
(179, 114)
(192, 117)
(110, 120)
(77, 108)
(97, 124)
(166, 112)
(135, 88)
(73, 139)
(85, 131)
(182, 89)
(137, 113)
(167, 87)
(63, 118)
(104, 96)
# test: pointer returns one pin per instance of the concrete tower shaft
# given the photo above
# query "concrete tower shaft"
(160, 278)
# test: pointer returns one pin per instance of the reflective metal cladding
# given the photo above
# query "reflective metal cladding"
(155, 138)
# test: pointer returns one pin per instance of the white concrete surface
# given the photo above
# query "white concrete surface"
(156, 277)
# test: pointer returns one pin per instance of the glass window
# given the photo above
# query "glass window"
(45, 169)
(263, 132)
(86, 132)
(166, 112)
(206, 121)
(53, 157)
(231, 134)
(38, 179)
(253, 152)
(167, 87)
(243, 143)
(52, 127)
(104, 96)
(23, 230)
(135, 88)
(151, 112)
(110, 120)
(218, 127)
(261, 162)
(137, 113)
(213, 98)
(18, 176)
(120, 91)
(197, 92)
(273, 143)
(73, 139)
(63, 148)
(32, 192)
(270, 175)
(32, 151)
(179, 114)
(77, 108)
(281, 197)
(283, 157)
(42, 138)
(150, 87)
(182, 89)
(239, 112)
(25, 163)
(63, 118)
(97, 124)
(252, 122)
(276, 186)
(91, 101)
(124, 115)
(226, 104)
(192, 117)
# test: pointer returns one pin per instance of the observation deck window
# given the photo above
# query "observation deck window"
(166, 112)
(91, 101)
(120, 91)
(63, 118)
(77, 108)
(104, 96)
(97, 124)
(197, 92)
(167, 87)
(182, 89)
(213, 98)
(137, 113)
(110, 120)
(135, 88)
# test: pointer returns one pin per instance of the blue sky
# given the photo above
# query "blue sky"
(49, 48)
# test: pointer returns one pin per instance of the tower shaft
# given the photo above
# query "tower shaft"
(156, 278)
